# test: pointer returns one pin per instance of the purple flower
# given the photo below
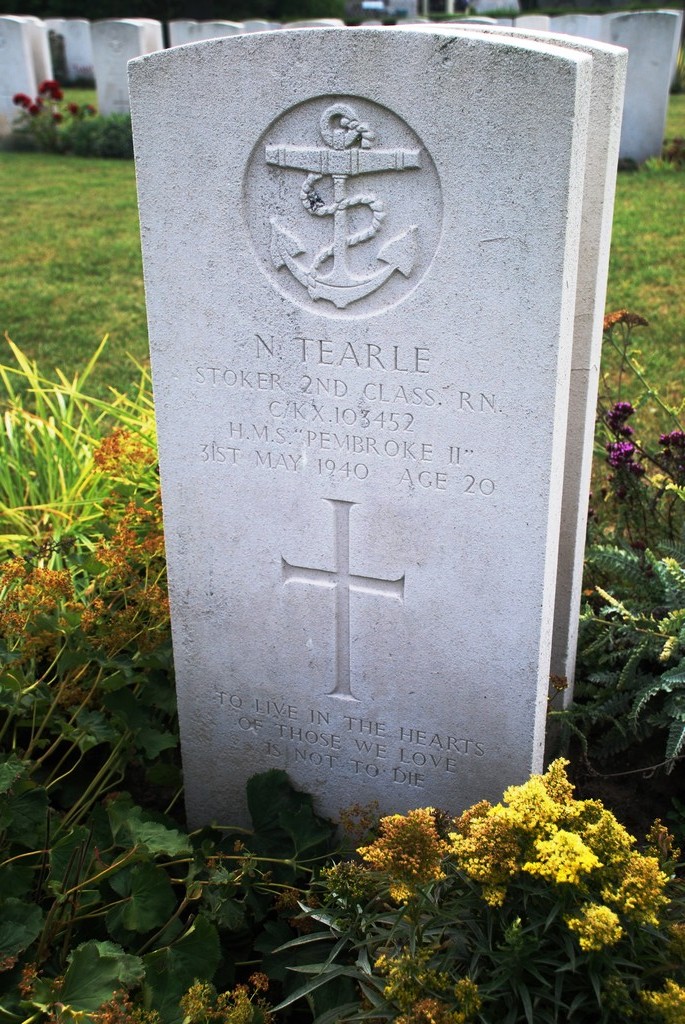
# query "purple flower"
(616, 419)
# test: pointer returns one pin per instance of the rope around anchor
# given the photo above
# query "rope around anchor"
(354, 131)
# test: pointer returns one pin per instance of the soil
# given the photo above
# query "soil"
(636, 790)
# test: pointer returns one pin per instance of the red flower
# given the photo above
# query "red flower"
(20, 99)
(89, 109)
(34, 109)
(57, 94)
(73, 108)
(47, 86)
(57, 117)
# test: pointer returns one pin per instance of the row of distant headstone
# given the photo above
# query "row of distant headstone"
(102, 49)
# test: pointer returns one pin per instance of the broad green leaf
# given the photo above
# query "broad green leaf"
(11, 769)
(132, 826)
(154, 741)
(20, 924)
(170, 972)
(91, 729)
(96, 971)
(28, 816)
(150, 898)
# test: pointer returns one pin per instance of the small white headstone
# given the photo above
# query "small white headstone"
(17, 73)
(361, 322)
(180, 32)
(114, 44)
(589, 26)
(533, 22)
(485, 6)
(213, 30)
(316, 23)
(649, 39)
(78, 45)
(259, 25)
(40, 47)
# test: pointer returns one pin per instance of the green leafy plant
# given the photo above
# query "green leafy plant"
(110, 909)
(108, 136)
(631, 679)
(538, 909)
(630, 687)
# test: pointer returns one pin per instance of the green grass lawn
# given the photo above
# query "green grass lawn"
(71, 267)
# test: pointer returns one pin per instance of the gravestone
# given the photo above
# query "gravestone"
(606, 104)
(533, 22)
(16, 68)
(260, 25)
(213, 30)
(40, 47)
(115, 42)
(179, 31)
(486, 6)
(316, 23)
(589, 26)
(649, 38)
(361, 323)
(78, 46)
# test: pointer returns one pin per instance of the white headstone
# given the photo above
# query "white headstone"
(259, 25)
(589, 26)
(78, 45)
(485, 6)
(533, 22)
(114, 44)
(180, 32)
(316, 23)
(213, 30)
(649, 39)
(40, 47)
(17, 74)
(361, 321)
(606, 104)
(677, 41)
(153, 34)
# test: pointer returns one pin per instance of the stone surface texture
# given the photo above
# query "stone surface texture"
(16, 68)
(361, 314)
(606, 105)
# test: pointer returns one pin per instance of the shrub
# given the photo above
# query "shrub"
(101, 136)
(52, 124)
(630, 686)
(537, 909)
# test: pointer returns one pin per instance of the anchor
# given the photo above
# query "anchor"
(349, 153)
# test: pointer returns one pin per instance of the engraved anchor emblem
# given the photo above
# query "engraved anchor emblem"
(348, 153)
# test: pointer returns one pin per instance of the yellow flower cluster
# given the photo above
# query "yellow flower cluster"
(668, 1005)
(122, 450)
(425, 995)
(540, 830)
(409, 849)
(202, 1005)
(562, 858)
(409, 977)
(29, 593)
(597, 926)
